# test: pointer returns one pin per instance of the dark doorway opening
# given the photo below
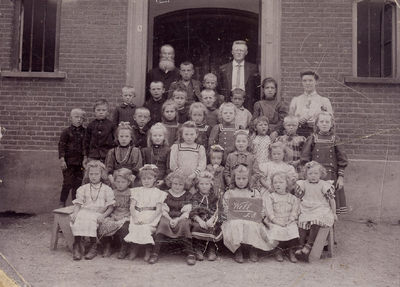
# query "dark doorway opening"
(205, 36)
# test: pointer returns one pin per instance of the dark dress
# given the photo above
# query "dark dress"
(175, 205)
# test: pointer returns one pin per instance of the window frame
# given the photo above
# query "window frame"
(16, 48)
(396, 54)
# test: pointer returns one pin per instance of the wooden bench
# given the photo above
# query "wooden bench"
(324, 237)
(61, 227)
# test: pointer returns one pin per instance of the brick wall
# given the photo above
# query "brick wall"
(92, 52)
(318, 34)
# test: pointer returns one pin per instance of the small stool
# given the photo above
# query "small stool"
(324, 237)
(61, 223)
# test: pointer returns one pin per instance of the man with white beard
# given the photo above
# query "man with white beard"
(166, 72)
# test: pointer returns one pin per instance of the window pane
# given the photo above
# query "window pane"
(362, 39)
(26, 34)
(38, 33)
(50, 35)
(387, 41)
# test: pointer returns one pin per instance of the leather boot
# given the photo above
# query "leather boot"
(107, 250)
(239, 255)
(147, 252)
(123, 251)
(133, 251)
(92, 252)
(278, 255)
(76, 249)
(292, 256)
(253, 254)
(211, 251)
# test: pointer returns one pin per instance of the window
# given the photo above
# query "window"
(36, 39)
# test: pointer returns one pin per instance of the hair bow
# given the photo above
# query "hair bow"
(148, 166)
(124, 124)
(239, 164)
(216, 147)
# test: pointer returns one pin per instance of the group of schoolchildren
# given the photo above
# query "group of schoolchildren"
(166, 172)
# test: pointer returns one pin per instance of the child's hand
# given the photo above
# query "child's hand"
(335, 217)
(63, 164)
(203, 224)
(100, 219)
(302, 120)
(339, 182)
(210, 222)
(215, 166)
(273, 136)
(173, 222)
(73, 217)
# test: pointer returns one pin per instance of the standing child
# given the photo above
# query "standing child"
(170, 119)
(210, 81)
(206, 228)
(156, 102)
(264, 108)
(118, 222)
(242, 155)
(99, 137)
(317, 205)
(175, 222)
(157, 152)
(243, 115)
(262, 140)
(141, 126)
(125, 154)
(222, 134)
(94, 202)
(239, 232)
(198, 114)
(282, 210)
(125, 112)
(325, 147)
(188, 156)
(279, 155)
(208, 100)
(146, 202)
(70, 153)
(180, 97)
(216, 168)
(186, 83)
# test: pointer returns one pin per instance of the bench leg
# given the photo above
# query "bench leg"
(319, 244)
(331, 242)
(66, 230)
(54, 234)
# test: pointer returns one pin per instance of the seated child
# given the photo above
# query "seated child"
(261, 141)
(99, 137)
(94, 202)
(154, 105)
(206, 228)
(279, 156)
(188, 156)
(124, 155)
(242, 155)
(222, 134)
(70, 153)
(317, 205)
(208, 100)
(179, 96)
(238, 232)
(243, 115)
(117, 223)
(186, 83)
(146, 202)
(282, 211)
(210, 81)
(141, 125)
(170, 118)
(215, 167)
(198, 114)
(125, 111)
(175, 223)
(157, 152)
(265, 107)
(292, 140)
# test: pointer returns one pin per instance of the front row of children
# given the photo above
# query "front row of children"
(147, 217)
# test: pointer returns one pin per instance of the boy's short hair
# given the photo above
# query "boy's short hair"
(309, 73)
(291, 118)
(100, 102)
(238, 92)
(210, 76)
(208, 92)
(142, 109)
(186, 63)
(239, 42)
(179, 90)
(157, 82)
(78, 110)
(128, 90)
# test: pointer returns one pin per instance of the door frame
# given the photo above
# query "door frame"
(137, 33)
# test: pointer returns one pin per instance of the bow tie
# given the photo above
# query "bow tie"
(124, 105)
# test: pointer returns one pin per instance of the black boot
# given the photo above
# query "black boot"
(123, 251)
(76, 249)
(92, 253)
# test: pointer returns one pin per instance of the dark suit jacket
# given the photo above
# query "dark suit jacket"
(251, 77)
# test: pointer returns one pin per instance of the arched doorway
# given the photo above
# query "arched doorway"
(204, 36)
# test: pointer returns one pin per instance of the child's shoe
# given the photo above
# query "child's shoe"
(153, 258)
(92, 252)
(253, 254)
(148, 250)
(199, 254)
(239, 255)
(133, 252)
(211, 251)
(191, 259)
(292, 256)
(123, 251)
(61, 204)
(306, 249)
(76, 249)
(278, 255)
(298, 251)
(107, 250)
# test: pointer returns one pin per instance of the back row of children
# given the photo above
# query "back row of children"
(257, 156)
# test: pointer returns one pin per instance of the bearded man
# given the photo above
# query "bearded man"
(166, 72)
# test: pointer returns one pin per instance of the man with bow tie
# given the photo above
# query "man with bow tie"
(125, 111)
(239, 74)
